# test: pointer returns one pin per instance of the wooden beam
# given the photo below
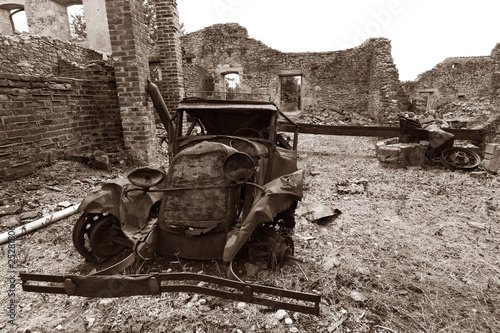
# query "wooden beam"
(374, 131)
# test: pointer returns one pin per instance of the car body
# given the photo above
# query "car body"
(231, 173)
(232, 184)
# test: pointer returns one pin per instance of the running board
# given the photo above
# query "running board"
(106, 286)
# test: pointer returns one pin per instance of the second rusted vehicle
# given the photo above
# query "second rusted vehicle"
(232, 185)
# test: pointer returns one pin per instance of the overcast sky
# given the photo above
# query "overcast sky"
(423, 32)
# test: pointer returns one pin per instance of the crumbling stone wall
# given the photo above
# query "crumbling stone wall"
(39, 55)
(495, 78)
(199, 80)
(362, 80)
(452, 80)
(45, 117)
(461, 90)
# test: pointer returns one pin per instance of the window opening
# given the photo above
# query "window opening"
(155, 71)
(18, 20)
(77, 23)
(231, 85)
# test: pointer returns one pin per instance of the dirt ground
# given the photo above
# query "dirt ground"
(414, 250)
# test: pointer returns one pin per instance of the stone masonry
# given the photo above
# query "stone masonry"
(362, 80)
(455, 79)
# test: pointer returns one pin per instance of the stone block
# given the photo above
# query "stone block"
(491, 161)
(405, 154)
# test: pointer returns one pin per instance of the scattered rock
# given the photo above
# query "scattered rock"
(352, 186)
(64, 204)
(331, 262)
(9, 210)
(288, 321)
(281, 314)
(53, 188)
(316, 212)
(100, 160)
(252, 270)
(106, 301)
(10, 221)
(32, 187)
(90, 321)
(358, 297)
(315, 172)
(6, 201)
(136, 328)
(29, 215)
(477, 225)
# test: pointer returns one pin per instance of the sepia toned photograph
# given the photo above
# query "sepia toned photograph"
(249, 166)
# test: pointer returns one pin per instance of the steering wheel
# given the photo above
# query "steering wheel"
(256, 134)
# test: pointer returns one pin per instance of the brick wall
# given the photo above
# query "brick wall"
(128, 32)
(362, 80)
(46, 119)
(57, 100)
(170, 55)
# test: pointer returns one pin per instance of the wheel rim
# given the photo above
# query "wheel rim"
(86, 241)
(102, 234)
(459, 158)
(281, 249)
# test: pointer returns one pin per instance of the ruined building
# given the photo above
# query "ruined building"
(464, 91)
(59, 99)
(362, 80)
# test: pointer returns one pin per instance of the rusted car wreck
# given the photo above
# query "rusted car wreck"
(232, 186)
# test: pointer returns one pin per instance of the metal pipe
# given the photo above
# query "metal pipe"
(162, 110)
(40, 223)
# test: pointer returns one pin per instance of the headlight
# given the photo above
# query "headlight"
(238, 168)
(146, 177)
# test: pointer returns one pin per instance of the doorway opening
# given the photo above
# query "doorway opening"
(290, 92)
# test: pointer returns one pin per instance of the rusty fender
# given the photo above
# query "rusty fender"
(279, 195)
(130, 207)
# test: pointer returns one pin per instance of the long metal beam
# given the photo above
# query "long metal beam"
(374, 131)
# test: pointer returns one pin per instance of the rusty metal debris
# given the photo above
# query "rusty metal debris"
(106, 286)
(460, 158)
(316, 212)
(440, 145)
(232, 181)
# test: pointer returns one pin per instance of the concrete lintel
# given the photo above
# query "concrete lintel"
(12, 4)
(226, 69)
(290, 72)
(69, 2)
